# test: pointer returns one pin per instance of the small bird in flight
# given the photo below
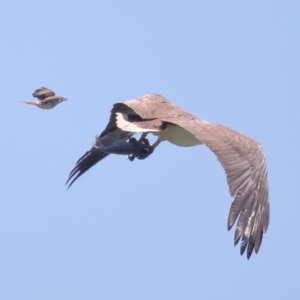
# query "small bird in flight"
(242, 158)
(46, 98)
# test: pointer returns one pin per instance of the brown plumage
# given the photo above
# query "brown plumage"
(46, 98)
(43, 93)
(242, 158)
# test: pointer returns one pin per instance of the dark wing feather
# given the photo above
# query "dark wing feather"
(84, 163)
(43, 93)
(242, 158)
(110, 136)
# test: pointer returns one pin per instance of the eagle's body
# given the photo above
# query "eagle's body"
(46, 98)
(242, 158)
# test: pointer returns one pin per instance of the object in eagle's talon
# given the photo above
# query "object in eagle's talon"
(144, 150)
(132, 147)
(149, 152)
(242, 158)
(126, 148)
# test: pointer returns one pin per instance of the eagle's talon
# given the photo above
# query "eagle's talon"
(144, 141)
(148, 150)
(131, 157)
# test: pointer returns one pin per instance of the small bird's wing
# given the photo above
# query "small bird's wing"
(43, 93)
(242, 158)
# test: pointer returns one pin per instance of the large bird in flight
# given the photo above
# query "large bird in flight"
(242, 158)
(46, 98)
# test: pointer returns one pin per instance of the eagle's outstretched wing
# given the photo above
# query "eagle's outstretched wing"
(242, 158)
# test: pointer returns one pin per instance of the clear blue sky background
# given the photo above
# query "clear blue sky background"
(153, 229)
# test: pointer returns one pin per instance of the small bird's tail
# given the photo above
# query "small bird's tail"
(29, 102)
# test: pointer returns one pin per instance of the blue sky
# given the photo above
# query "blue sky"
(153, 229)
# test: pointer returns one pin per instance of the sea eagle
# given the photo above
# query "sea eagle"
(242, 158)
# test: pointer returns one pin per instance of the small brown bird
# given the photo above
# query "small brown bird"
(46, 98)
